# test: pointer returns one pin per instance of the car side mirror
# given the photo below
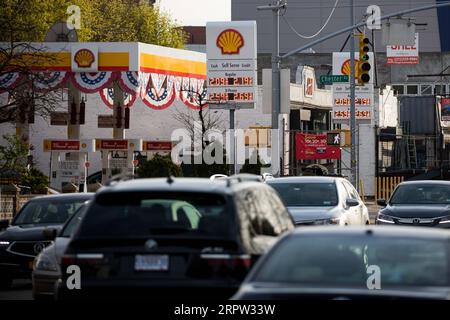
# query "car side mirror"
(4, 224)
(50, 233)
(352, 203)
(382, 202)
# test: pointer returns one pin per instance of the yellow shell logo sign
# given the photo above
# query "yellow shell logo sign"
(230, 41)
(346, 68)
(84, 58)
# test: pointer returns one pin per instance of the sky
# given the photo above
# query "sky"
(197, 12)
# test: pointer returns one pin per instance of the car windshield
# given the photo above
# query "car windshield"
(421, 194)
(343, 261)
(48, 211)
(142, 214)
(307, 194)
(73, 223)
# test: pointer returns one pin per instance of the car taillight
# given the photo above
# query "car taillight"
(242, 260)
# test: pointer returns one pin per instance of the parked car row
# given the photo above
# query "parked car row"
(231, 237)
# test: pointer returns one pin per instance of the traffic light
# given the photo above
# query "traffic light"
(364, 64)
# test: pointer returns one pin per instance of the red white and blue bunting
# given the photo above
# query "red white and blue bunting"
(47, 81)
(107, 95)
(89, 82)
(158, 91)
(9, 80)
(131, 81)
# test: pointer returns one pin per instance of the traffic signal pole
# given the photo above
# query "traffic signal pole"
(276, 60)
(353, 164)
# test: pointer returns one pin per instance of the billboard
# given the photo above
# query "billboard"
(315, 147)
(403, 54)
(445, 109)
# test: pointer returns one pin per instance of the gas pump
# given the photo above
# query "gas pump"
(63, 169)
(117, 156)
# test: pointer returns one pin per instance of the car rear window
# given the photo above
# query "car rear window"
(306, 194)
(144, 214)
(343, 261)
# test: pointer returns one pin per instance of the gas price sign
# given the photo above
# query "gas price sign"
(231, 66)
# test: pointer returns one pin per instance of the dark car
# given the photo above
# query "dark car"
(173, 237)
(353, 263)
(417, 203)
(24, 238)
(46, 270)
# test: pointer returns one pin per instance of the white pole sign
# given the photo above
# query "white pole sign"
(231, 68)
(364, 95)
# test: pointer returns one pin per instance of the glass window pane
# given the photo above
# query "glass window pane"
(411, 89)
(399, 89)
(440, 89)
(426, 89)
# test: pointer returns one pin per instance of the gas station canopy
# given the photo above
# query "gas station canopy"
(158, 75)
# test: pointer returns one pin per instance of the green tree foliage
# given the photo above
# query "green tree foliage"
(101, 20)
(159, 166)
(13, 154)
(36, 180)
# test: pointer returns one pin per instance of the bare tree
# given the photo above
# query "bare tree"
(209, 119)
(23, 100)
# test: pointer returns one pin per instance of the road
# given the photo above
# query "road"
(21, 289)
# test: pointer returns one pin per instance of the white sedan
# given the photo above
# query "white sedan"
(321, 200)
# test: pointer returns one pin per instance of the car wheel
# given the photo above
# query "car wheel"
(6, 282)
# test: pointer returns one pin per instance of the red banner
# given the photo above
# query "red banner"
(314, 147)
(112, 144)
(64, 145)
(157, 145)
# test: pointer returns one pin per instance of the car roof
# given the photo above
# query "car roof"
(201, 185)
(64, 196)
(430, 182)
(305, 179)
(378, 231)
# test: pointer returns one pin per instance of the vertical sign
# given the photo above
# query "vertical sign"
(364, 95)
(403, 54)
(231, 68)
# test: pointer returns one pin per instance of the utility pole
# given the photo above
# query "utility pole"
(276, 109)
(353, 167)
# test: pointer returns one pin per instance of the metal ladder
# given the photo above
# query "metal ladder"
(412, 153)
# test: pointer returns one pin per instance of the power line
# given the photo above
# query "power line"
(320, 30)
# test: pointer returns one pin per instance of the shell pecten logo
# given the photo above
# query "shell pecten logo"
(230, 41)
(84, 58)
(345, 69)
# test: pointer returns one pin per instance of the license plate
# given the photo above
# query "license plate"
(151, 262)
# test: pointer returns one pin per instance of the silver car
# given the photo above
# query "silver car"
(321, 200)
(46, 268)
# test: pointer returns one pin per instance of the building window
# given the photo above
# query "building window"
(399, 89)
(412, 89)
(440, 89)
(426, 89)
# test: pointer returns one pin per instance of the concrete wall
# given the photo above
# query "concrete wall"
(307, 17)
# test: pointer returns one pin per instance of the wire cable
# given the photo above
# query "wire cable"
(318, 32)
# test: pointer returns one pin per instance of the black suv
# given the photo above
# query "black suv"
(174, 237)
(25, 238)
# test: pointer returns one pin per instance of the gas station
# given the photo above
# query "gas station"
(120, 73)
